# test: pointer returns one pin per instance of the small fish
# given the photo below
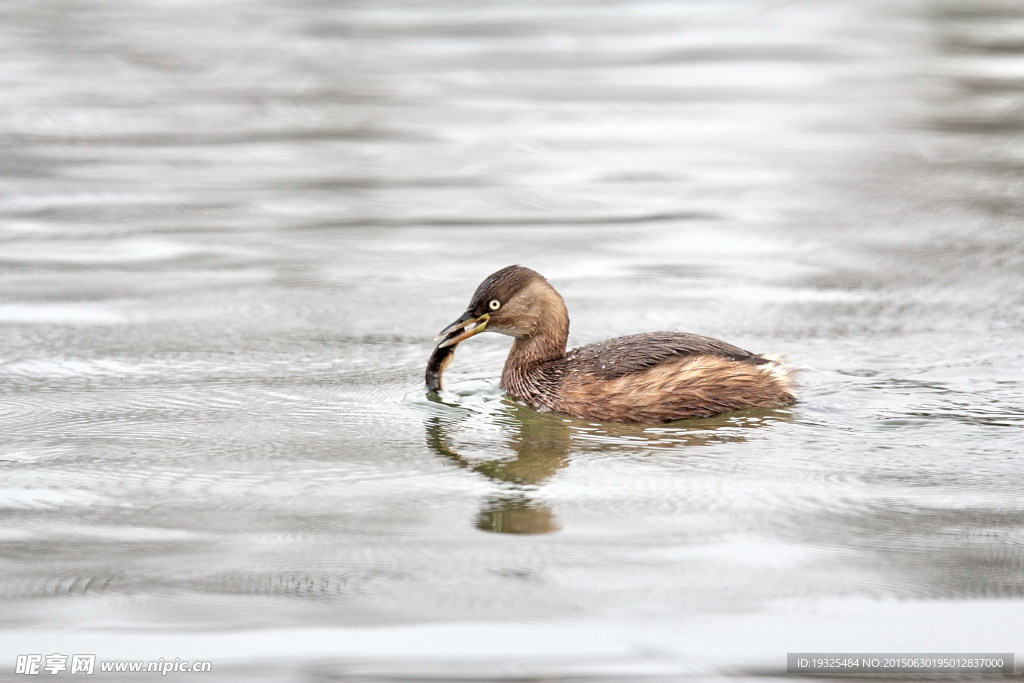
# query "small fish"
(439, 360)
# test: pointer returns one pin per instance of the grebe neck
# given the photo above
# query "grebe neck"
(530, 353)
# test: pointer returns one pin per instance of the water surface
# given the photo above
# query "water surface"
(229, 231)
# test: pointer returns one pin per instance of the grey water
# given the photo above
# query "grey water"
(229, 231)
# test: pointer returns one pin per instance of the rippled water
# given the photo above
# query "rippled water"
(229, 231)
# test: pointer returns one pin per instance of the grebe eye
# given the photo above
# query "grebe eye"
(494, 304)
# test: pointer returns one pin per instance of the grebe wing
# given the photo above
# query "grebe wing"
(638, 352)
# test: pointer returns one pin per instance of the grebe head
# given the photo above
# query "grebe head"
(515, 301)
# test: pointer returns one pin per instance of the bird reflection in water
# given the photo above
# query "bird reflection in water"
(540, 445)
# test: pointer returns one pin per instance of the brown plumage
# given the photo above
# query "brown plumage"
(644, 378)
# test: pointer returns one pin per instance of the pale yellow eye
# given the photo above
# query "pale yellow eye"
(494, 304)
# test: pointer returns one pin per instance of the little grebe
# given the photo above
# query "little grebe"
(643, 378)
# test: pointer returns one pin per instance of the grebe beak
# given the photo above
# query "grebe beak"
(474, 324)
